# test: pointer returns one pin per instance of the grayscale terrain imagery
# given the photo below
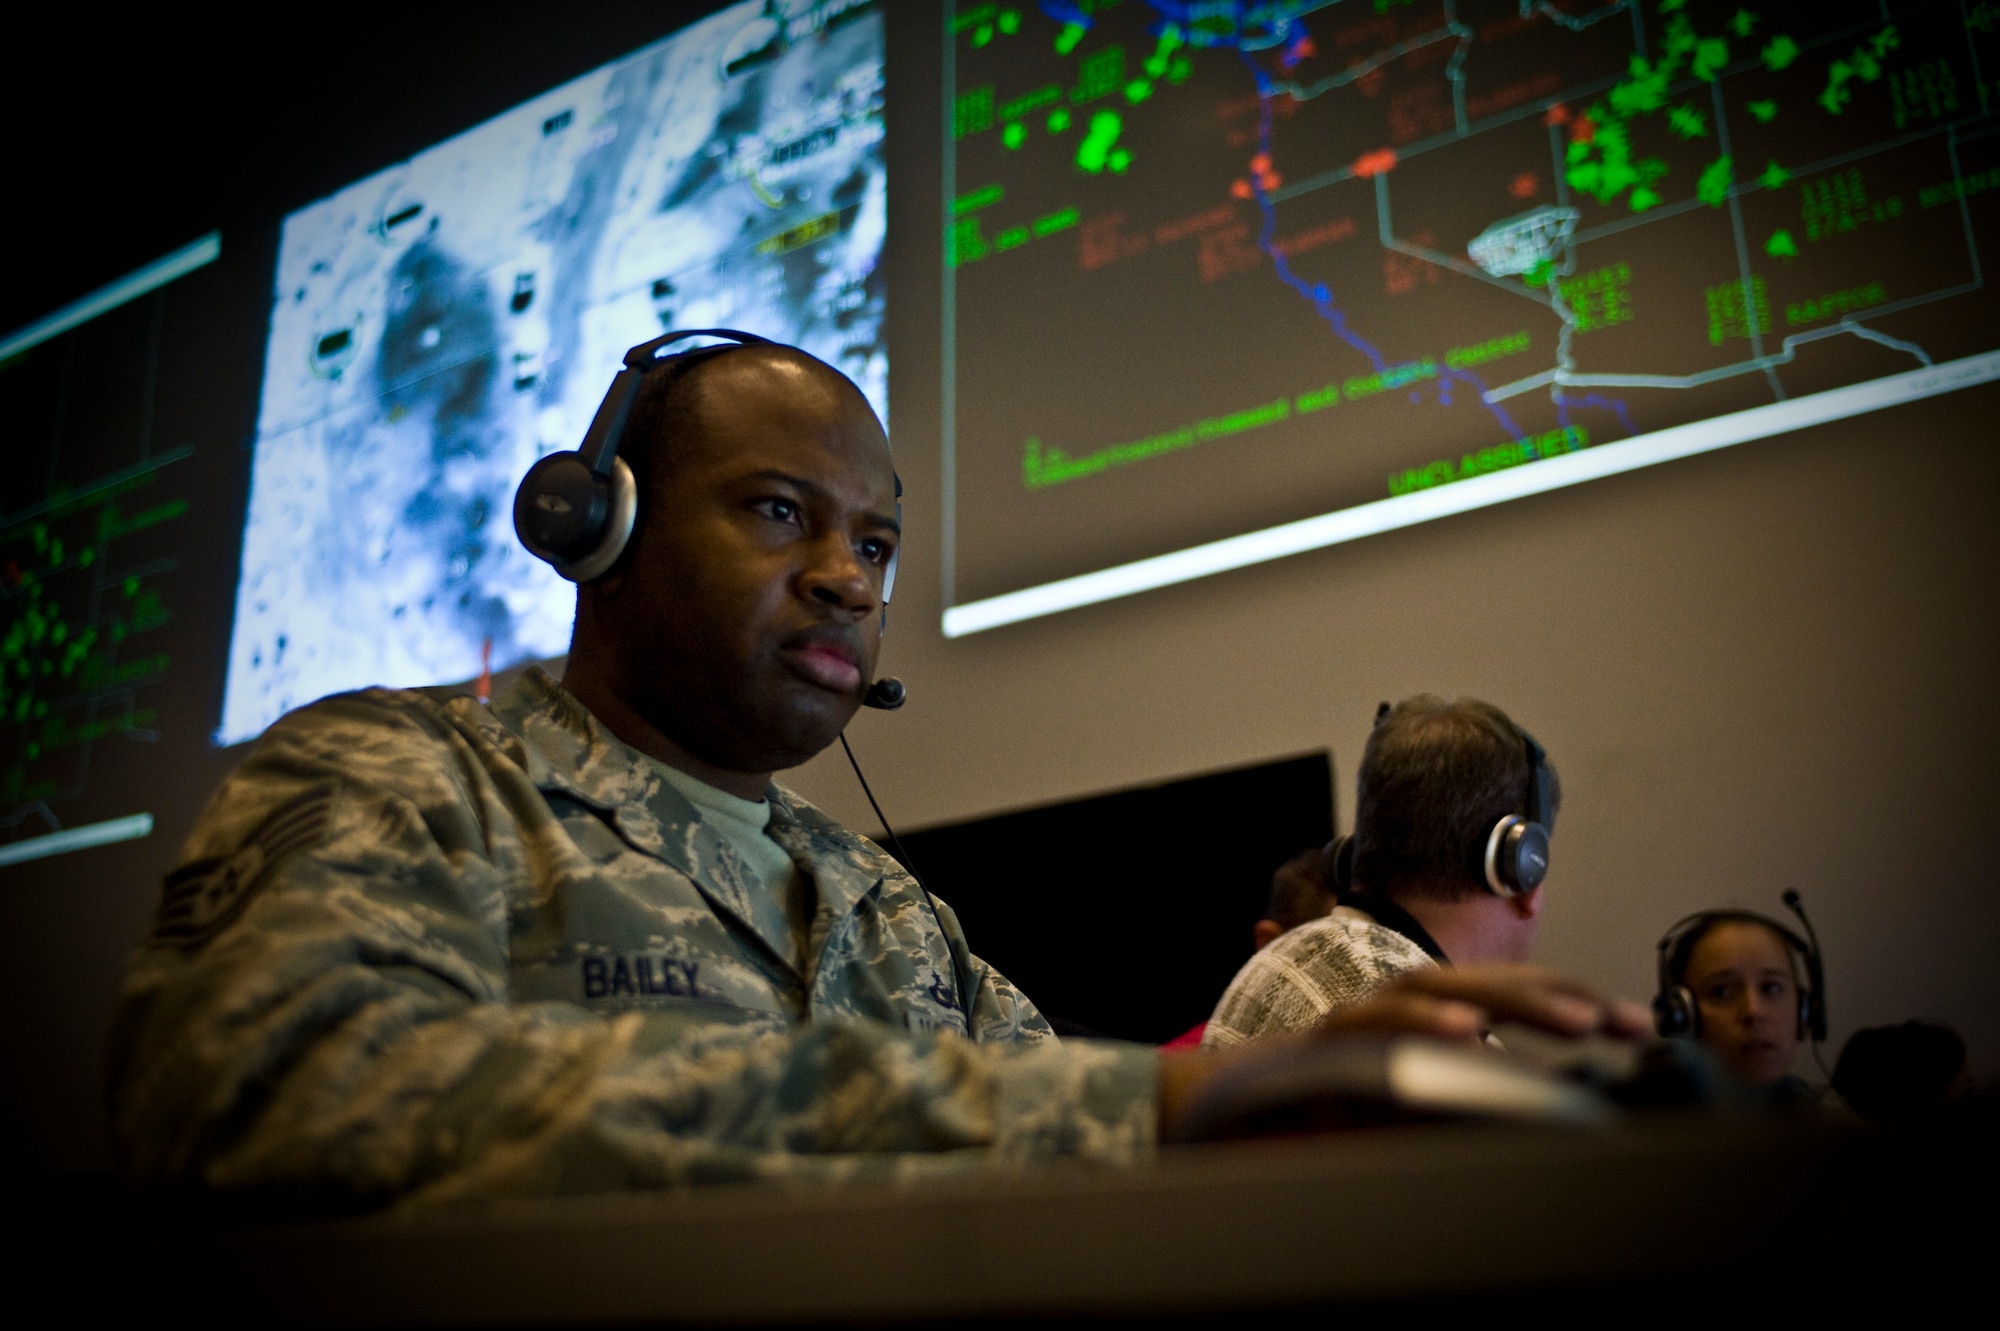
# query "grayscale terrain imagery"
(438, 326)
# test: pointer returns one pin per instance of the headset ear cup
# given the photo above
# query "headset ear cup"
(560, 508)
(1502, 853)
(1528, 857)
(622, 515)
(1675, 1016)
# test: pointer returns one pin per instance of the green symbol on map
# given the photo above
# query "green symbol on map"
(1688, 122)
(1163, 63)
(1094, 152)
(1781, 245)
(1099, 74)
(1600, 157)
(1713, 187)
(1865, 63)
(1780, 53)
(1614, 172)
(1765, 111)
(1710, 55)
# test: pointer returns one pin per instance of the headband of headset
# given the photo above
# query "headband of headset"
(607, 427)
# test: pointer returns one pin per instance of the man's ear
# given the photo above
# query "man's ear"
(1528, 905)
(1264, 933)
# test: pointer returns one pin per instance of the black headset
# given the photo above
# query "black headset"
(1517, 850)
(1676, 1014)
(575, 511)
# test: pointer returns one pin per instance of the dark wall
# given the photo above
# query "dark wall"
(1127, 914)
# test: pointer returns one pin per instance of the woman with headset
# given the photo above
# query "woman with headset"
(1732, 980)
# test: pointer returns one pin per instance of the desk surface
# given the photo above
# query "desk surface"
(1431, 1213)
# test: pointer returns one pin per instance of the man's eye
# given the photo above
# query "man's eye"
(779, 510)
(875, 550)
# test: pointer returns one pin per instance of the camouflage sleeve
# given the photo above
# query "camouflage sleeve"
(995, 1011)
(321, 1020)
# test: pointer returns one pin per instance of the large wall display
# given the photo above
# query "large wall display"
(1229, 282)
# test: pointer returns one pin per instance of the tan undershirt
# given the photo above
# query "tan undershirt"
(745, 826)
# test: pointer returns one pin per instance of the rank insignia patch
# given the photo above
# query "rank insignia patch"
(202, 897)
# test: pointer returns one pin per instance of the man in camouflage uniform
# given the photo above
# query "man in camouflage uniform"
(421, 949)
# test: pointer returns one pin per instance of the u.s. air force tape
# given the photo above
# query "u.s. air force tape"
(203, 896)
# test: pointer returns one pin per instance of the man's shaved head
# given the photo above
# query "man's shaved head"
(667, 419)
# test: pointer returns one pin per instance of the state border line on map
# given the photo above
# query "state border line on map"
(1785, 356)
(1385, 228)
(1370, 519)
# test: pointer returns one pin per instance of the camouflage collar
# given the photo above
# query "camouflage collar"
(845, 868)
(568, 750)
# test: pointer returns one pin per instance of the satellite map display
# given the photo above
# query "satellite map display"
(440, 325)
(1265, 263)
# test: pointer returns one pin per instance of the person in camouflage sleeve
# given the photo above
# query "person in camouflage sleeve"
(423, 949)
